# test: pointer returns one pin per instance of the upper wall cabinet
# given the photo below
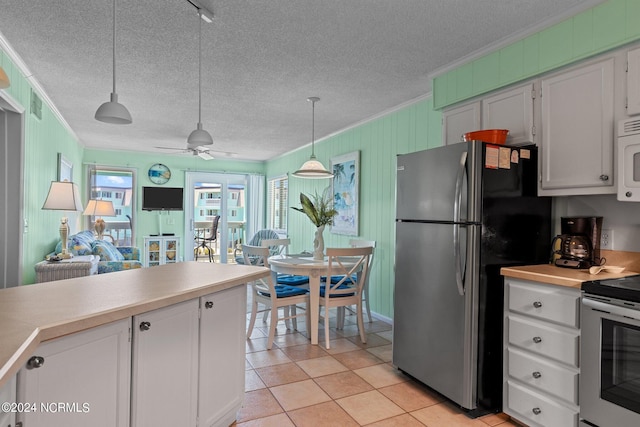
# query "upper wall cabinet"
(511, 109)
(633, 82)
(458, 121)
(577, 117)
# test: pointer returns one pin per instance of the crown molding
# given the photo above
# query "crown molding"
(522, 34)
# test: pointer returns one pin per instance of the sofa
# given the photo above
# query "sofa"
(112, 258)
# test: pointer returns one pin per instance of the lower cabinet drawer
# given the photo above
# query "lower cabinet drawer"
(532, 407)
(544, 375)
(540, 338)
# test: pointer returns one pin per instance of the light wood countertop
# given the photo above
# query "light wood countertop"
(35, 313)
(547, 273)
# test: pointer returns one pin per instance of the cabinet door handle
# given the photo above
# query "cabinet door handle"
(604, 177)
(145, 326)
(536, 411)
(35, 362)
(537, 304)
(537, 340)
(208, 304)
(536, 374)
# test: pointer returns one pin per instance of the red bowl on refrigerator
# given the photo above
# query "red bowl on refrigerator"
(494, 136)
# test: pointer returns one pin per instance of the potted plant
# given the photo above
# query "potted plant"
(319, 209)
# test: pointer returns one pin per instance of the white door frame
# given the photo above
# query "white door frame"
(191, 178)
(12, 222)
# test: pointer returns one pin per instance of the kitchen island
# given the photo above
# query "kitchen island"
(173, 301)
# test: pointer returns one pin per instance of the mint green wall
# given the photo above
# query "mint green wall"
(603, 27)
(43, 140)
(148, 222)
(413, 128)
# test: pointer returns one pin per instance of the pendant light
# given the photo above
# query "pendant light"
(199, 137)
(112, 111)
(312, 168)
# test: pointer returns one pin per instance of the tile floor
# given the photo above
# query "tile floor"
(351, 384)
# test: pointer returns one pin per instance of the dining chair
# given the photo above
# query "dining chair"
(256, 240)
(211, 236)
(358, 243)
(272, 296)
(352, 265)
(281, 247)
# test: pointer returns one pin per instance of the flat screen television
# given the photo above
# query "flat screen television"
(162, 199)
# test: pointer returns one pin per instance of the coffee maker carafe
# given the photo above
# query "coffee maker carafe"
(579, 243)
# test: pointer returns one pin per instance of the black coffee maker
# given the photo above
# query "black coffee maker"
(579, 244)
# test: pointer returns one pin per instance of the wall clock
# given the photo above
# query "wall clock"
(159, 174)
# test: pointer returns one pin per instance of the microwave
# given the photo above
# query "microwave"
(629, 160)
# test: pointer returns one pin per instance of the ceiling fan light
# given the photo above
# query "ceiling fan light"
(312, 168)
(199, 137)
(113, 112)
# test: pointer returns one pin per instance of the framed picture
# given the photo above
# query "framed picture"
(344, 186)
(65, 169)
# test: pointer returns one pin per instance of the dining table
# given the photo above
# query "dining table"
(305, 265)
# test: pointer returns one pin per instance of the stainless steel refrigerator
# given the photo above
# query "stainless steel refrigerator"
(463, 211)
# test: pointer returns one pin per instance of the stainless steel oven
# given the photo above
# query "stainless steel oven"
(610, 353)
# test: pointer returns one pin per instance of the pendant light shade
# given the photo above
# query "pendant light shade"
(199, 137)
(112, 111)
(313, 168)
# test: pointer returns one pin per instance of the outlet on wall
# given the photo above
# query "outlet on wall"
(606, 239)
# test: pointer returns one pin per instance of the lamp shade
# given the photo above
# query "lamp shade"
(4, 79)
(99, 208)
(63, 196)
(312, 168)
(199, 137)
(113, 112)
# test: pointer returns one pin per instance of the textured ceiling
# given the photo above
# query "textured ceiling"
(261, 59)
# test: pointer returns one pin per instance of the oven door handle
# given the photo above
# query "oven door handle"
(611, 309)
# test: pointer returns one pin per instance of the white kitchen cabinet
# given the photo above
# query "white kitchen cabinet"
(460, 120)
(222, 365)
(159, 250)
(165, 366)
(633, 82)
(8, 394)
(577, 120)
(511, 109)
(79, 380)
(541, 353)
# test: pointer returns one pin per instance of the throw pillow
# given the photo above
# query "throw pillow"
(106, 251)
(78, 244)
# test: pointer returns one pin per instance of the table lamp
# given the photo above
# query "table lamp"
(63, 196)
(99, 208)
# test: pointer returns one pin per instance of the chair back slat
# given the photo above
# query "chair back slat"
(348, 262)
(258, 255)
(277, 246)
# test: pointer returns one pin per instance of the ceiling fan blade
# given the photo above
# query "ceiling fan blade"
(205, 155)
(182, 150)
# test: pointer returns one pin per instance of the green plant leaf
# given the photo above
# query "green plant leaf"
(319, 210)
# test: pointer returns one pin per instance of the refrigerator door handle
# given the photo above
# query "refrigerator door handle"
(457, 204)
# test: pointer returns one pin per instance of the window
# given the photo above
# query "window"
(116, 185)
(277, 203)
